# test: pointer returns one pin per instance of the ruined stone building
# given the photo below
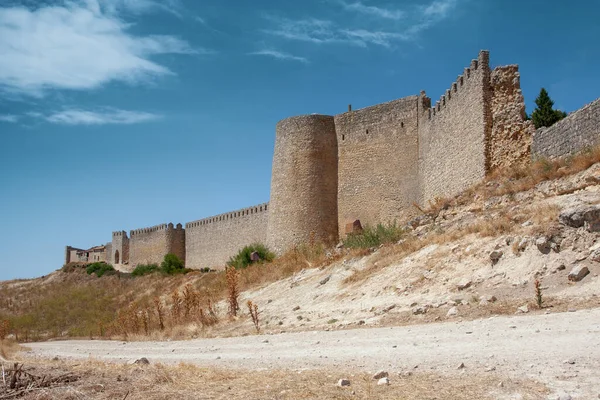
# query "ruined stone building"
(374, 165)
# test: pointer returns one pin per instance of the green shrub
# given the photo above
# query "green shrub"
(244, 257)
(172, 265)
(373, 237)
(145, 269)
(100, 268)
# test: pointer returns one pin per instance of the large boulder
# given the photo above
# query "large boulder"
(578, 273)
(543, 244)
(582, 215)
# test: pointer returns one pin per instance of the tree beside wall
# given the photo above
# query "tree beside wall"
(544, 114)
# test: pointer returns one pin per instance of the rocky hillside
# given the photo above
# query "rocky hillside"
(476, 255)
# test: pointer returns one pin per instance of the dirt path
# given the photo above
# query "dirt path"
(561, 350)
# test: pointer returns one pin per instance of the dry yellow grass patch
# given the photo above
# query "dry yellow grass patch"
(185, 381)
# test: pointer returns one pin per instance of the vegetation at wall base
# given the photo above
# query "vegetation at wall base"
(145, 269)
(244, 257)
(374, 236)
(100, 269)
(171, 265)
(544, 115)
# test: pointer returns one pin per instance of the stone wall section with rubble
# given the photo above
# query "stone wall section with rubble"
(510, 141)
(378, 164)
(578, 131)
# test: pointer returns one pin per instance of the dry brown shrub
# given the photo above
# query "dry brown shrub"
(4, 329)
(176, 304)
(492, 226)
(253, 310)
(521, 178)
(158, 307)
(232, 275)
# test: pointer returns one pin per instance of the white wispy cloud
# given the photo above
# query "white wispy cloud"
(78, 44)
(8, 118)
(401, 25)
(363, 37)
(327, 32)
(307, 30)
(137, 6)
(280, 55)
(439, 8)
(101, 117)
(373, 10)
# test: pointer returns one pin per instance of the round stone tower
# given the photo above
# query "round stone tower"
(303, 206)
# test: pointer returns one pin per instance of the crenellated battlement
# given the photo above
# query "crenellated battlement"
(152, 229)
(119, 233)
(478, 68)
(244, 212)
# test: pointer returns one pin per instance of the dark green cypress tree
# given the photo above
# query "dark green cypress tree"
(544, 114)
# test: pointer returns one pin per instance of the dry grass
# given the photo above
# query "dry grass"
(75, 304)
(8, 348)
(522, 178)
(185, 381)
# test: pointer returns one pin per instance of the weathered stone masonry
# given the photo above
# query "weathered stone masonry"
(149, 245)
(304, 183)
(211, 241)
(378, 162)
(374, 165)
(579, 130)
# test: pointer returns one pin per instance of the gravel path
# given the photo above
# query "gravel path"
(559, 349)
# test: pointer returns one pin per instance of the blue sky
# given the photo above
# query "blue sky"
(122, 114)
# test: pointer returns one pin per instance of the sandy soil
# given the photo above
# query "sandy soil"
(560, 350)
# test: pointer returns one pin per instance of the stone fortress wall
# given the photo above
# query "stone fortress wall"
(304, 183)
(453, 134)
(210, 242)
(149, 245)
(378, 164)
(119, 253)
(579, 130)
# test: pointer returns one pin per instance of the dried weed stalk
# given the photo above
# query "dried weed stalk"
(232, 275)
(253, 309)
(538, 293)
(159, 313)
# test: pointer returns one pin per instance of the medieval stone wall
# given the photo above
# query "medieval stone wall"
(578, 131)
(176, 240)
(304, 180)
(510, 141)
(150, 245)
(453, 134)
(210, 242)
(119, 251)
(377, 163)
(370, 164)
(108, 253)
